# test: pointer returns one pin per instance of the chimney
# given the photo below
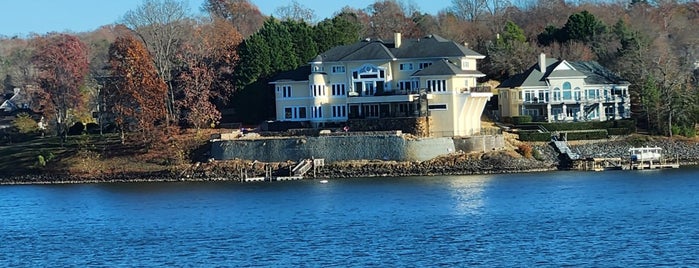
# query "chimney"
(396, 38)
(542, 62)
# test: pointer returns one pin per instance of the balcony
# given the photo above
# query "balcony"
(479, 89)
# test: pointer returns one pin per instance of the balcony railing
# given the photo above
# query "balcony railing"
(480, 89)
(396, 92)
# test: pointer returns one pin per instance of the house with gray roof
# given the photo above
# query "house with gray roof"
(20, 100)
(554, 90)
(431, 77)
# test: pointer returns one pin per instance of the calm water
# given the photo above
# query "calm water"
(614, 218)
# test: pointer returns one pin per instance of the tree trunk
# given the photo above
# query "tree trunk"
(669, 124)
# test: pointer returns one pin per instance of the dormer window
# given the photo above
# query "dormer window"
(406, 66)
(423, 65)
(464, 64)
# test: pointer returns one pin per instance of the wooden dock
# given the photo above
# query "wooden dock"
(296, 173)
(639, 159)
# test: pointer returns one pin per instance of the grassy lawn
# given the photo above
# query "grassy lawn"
(82, 154)
(23, 157)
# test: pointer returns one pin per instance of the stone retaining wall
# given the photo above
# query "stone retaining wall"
(341, 148)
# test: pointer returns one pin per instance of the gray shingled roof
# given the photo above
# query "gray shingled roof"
(594, 74)
(444, 67)
(432, 46)
(597, 74)
(298, 74)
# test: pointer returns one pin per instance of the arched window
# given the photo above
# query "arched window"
(567, 93)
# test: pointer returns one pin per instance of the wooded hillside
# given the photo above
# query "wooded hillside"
(161, 67)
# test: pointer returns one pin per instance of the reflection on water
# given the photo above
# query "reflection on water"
(467, 192)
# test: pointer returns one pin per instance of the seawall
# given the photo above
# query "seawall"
(393, 147)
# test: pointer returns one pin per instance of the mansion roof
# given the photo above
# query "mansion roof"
(593, 73)
(431, 46)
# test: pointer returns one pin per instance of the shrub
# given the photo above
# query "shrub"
(77, 129)
(525, 150)
(689, 132)
(41, 161)
(588, 135)
(522, 119)
(534, 136)
(25, 124)
(619, 131)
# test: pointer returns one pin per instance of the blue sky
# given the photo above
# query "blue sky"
(21, 17)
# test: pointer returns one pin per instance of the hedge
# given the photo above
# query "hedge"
(619, 131)
(534, 136)
(624, 123)
(523, 119)
(596, 134)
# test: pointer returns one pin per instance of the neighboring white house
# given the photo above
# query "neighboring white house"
(378, 79)
(561, 91)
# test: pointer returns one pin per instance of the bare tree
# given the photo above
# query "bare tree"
(469, 10)
(160, 25)
(388, 17)
(295, 11)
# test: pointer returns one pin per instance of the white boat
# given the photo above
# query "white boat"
(644, 154)
(323, 181)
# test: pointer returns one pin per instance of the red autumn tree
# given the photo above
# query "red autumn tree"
(62, 63)
(135, 94)
(195, 107)
(243, 14)
(209, 59)
(220, 41)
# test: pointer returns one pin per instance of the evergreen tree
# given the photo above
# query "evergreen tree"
(343, 29)
(304, 45)
(583, 27)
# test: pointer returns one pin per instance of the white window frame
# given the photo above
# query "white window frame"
(406, 67)
(285, 90)
(318, 90)
(339, 111)
(317, 112)
(437, 85)
(339, 89)
(336, 69)
(464, 64)
(295, 113)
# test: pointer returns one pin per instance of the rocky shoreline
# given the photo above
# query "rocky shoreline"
(687, 152)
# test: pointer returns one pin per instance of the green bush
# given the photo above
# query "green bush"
(588, 135)
(689, 132)
(534, 136)
(41, 161)
(522, 119)
(619, 131)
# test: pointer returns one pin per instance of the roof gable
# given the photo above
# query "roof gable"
(591, 71)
